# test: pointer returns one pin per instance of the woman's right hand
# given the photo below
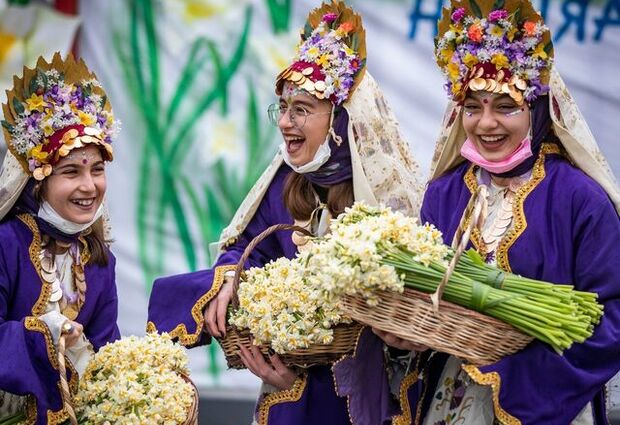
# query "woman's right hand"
(215, 311)
(396, 342)
(73, 332)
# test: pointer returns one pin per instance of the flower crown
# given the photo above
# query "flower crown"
(331, 56)
(54, 108)
(500, 46)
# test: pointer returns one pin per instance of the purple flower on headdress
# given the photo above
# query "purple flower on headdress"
(330, 17)
(458, 14)
(496, 15)
(33, 120)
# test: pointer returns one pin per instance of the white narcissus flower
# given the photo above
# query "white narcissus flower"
(136, 380)
(293, 303)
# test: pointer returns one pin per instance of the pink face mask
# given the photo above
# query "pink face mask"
(523, 152)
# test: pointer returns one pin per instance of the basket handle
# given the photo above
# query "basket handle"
(64, 384)
(475, 211)
(248, 250)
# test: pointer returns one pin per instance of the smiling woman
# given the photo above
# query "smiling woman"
(76, 188)
(56, 269)
(340, 143)
(550, 213)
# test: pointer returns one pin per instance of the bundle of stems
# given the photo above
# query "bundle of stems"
(13, 419)
(555, 314)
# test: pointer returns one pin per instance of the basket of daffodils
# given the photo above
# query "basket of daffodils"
(392, 273)
(138, 381)
(282, 307)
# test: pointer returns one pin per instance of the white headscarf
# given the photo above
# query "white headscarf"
(384, 171)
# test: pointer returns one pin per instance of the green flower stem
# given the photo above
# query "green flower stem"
(537, 313)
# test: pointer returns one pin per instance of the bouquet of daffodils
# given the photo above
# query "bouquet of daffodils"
(371, 249)
(138, 381)
(282, 305)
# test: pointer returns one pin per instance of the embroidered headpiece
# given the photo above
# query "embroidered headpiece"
(331, 57)
(54, 108)
(500, 46)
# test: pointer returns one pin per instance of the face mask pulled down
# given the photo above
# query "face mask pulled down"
(320, 157)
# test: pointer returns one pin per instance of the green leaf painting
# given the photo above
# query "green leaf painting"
(170, 198)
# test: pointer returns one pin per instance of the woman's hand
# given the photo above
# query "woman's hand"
(396, 342)
(215, 311)
(73, 332)
(275, 374)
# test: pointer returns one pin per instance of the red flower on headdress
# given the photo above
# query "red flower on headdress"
(346, 27)
(474, 32)
(530, 28)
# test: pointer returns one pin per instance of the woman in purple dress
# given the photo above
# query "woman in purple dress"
(341, 144)
(56, 270)
(551, 214)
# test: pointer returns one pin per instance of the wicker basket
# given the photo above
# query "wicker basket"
(192, 413)
(427, 320)
(345, 335)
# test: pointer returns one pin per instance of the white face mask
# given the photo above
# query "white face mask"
(320, 157)
(49, 214)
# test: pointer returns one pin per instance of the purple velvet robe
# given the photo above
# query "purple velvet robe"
(177, 303)
(572, 236)
(28, 364)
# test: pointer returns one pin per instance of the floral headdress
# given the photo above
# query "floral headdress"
(52, 109)
(501, 46)
(331, 57)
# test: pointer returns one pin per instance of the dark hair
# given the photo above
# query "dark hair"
(300, 197)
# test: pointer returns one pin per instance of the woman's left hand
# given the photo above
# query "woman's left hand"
(275, 374)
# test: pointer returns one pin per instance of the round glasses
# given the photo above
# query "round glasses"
(297, 114)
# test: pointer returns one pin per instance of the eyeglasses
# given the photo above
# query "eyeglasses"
(297, 114)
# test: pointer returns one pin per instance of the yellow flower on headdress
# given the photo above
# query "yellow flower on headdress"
(511, 34)
(497, 31)
(35, 102)
(349, 51)
(313, 51)
(446, 54)
(539, 52)
(456, 88)
(453, 71)
(500, 61)
(38, 155)
(323, 60)
(470, 60)
(86, 119)
(48, 130)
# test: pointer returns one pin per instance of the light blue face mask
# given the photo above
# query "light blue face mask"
(49, 214)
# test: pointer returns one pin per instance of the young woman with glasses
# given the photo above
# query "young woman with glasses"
(341, 143)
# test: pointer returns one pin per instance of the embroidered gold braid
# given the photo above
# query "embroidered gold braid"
(292, 395)
(406, 383)
(357, 340)
(180, 331)
(520, 223)
(53, 418)
(493, 379)
(34, 252)
(476, 236)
